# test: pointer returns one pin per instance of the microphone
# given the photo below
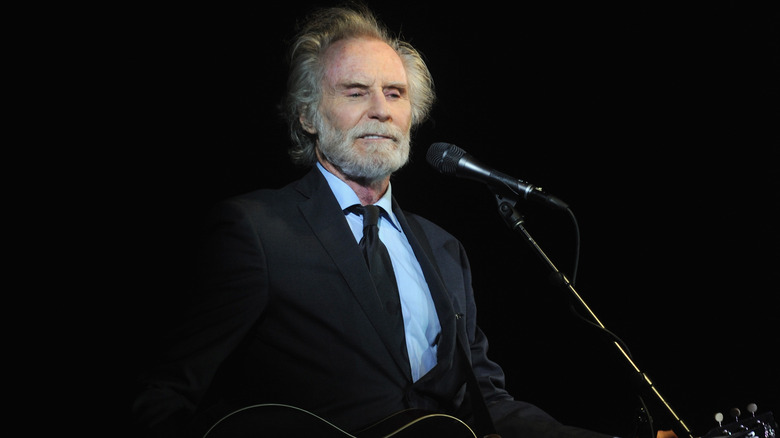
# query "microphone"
(452, 160)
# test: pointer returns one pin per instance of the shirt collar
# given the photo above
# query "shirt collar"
(346, 197)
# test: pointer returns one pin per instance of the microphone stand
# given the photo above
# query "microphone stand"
(515, 221)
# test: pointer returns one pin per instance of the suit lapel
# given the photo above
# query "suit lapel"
(441, 299)
(327, 222)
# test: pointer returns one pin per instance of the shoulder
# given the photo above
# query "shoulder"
(269, 200)
(426, 225)
(438, 238)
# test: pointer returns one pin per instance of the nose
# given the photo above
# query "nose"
(379, 109)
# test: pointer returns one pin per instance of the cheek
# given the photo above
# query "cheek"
(342, 118)
(401, 112)
(405, 117)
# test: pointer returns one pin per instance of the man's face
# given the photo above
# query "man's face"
(365, 115)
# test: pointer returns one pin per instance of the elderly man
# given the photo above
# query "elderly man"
(300, 325)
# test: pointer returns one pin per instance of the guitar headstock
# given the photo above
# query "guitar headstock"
(751, 425)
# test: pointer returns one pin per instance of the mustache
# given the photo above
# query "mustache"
(375, 128)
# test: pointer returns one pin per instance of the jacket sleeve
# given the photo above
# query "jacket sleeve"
(227, 299)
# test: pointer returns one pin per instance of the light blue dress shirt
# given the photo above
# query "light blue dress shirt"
(421, 323)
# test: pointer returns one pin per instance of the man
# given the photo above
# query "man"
(289, 317)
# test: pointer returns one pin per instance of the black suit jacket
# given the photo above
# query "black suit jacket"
(287, 313)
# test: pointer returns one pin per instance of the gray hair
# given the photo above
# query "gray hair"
(307, 71)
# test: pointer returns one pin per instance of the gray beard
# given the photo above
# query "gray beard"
(375, 163)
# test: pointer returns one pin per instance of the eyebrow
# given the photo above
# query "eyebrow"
(397, 85)
(347, 85)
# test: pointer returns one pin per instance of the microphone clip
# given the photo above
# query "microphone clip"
(506, 209)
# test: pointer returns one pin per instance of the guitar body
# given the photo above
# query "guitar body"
(272, 420)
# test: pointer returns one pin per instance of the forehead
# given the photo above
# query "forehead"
(361, 60)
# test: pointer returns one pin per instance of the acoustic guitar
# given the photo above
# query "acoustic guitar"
(272, 419)
(280, 420)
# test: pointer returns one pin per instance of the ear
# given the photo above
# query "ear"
(306, 124)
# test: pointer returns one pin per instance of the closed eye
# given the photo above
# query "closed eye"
(395, 91)
(354, 89)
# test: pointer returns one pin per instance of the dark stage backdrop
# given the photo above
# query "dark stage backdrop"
(657, 124)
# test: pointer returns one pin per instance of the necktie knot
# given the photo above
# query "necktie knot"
(370, 213)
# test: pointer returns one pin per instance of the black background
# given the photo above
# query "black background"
(657, 124)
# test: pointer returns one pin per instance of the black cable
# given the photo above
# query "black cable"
(612, 335)
(576, 247)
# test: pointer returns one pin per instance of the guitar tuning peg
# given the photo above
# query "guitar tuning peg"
(719, 418)
(753, 408)
(735, 412)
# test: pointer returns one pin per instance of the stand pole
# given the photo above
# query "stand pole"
(515, 220)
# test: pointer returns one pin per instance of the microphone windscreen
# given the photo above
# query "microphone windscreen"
(444, 157)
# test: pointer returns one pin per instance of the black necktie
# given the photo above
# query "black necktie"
(378, 260)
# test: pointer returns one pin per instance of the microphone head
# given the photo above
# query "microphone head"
(444, 157)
